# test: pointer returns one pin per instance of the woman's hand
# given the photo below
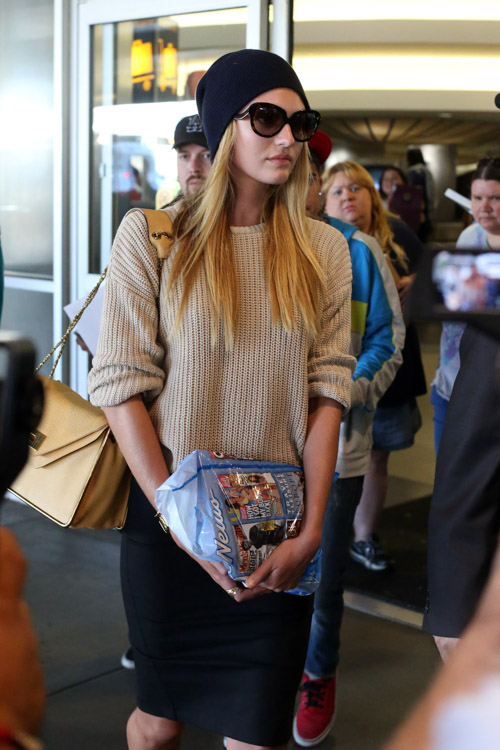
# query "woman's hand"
(283, 568)
(218, 573)
(445, 646)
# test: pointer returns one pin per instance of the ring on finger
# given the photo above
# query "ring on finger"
(233, 591)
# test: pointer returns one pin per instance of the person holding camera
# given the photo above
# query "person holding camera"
(483, 234)
(464, 518)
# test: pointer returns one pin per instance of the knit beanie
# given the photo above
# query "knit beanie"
(234, 80)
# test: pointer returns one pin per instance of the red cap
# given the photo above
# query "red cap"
(321, 145)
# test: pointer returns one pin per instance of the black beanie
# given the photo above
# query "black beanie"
(235, 79)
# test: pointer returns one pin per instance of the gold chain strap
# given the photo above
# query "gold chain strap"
(64, 339)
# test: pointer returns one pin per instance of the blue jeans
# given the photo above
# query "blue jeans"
(324, 640)
(440, 405)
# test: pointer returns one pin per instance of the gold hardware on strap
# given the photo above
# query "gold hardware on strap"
(160, 230)
(157, 235)
(36, 439)
(162, 522)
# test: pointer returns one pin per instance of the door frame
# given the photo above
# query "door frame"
(87, 13)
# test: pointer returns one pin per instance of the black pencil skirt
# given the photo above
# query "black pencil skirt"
(200, 657)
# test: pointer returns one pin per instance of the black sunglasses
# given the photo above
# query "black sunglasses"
(268, 119)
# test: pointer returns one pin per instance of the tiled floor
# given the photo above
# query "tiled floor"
(74, 594)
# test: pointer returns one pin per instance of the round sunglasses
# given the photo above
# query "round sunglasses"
(268, 119)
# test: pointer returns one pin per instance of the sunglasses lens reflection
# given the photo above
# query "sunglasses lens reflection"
(303, 125)
(268, 120)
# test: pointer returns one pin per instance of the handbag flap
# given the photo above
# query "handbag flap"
(68, 422)
(43, 459)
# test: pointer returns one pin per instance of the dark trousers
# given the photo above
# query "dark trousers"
(464, 519)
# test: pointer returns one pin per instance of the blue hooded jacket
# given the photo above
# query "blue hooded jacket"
(377, 339)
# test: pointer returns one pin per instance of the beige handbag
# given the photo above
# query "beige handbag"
(75, 473)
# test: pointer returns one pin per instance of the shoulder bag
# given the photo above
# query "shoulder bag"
(76, 474)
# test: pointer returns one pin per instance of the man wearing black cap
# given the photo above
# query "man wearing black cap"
(193, 156)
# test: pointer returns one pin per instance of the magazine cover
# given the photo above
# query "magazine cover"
(235, 511)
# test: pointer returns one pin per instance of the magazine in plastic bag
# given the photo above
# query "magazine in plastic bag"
(236, 511)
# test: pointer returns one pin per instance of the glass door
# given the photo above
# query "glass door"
(136, 76)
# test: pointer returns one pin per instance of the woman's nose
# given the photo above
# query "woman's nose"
(285, 135)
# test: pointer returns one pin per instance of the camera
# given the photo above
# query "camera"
(458, 284)
(21, 404)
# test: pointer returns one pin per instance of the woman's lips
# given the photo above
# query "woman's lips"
(281, 159)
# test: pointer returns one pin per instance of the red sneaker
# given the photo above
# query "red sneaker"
(316, 713)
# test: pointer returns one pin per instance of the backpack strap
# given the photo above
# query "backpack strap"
(160, 230)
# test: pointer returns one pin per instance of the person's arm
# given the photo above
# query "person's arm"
(477, 657)
(132, 427)
(283, 568)
(135, 433)
(375, 297)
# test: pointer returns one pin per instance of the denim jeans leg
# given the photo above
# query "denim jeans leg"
(440, 405)
(324, 641)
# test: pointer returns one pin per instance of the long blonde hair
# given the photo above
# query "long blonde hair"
(379, 226)
(202, 231)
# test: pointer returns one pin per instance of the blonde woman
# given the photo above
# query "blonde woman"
(238, 344)
(351, 196)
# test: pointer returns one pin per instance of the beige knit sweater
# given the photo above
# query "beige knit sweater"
(252, 401)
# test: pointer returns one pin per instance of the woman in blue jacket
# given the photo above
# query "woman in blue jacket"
(377, 338)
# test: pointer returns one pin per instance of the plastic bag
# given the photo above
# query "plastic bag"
(236, 511)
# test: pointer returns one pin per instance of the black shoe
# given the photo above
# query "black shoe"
(370, 553)
(127, 659)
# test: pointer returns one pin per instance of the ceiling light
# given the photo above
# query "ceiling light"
(363, 10)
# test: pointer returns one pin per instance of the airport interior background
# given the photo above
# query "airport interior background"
(90, 92)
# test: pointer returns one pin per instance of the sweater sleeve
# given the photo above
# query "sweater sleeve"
(129, 358)
(383, 329)
(330, 366)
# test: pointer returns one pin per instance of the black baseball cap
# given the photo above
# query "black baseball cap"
(189, 130)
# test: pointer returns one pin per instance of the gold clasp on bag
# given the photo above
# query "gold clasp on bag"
(36, 439)
(162, 522)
